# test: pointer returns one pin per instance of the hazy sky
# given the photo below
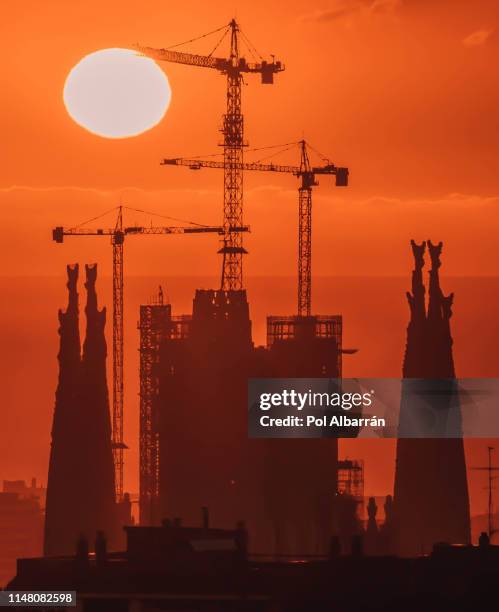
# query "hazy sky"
(403, 92)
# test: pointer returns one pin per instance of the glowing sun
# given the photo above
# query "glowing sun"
(116, 93)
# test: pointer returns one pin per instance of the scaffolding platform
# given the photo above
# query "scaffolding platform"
(154, 326)
(295, 327)
(351, 478)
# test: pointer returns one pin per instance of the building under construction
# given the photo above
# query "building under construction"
(154, 326)
(197, 430)
(195, 450)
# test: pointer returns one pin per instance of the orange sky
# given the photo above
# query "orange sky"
(404, 92)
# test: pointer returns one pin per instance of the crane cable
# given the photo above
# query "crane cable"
(252, 150)
(147, 212)
(323, 157)
(282, 149)
(219, 42)
(225, 27)
(266, 157)
(94, 218)
(251, 47)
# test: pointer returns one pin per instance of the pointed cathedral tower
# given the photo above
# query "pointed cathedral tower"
(62, 487)
(80, 491)
(431, 501)
(97, 464)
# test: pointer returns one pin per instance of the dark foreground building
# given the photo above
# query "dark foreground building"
(80, 489)
(200, 569)
(431, 493)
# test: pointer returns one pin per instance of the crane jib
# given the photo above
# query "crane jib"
(341, 174)
(59, 232)
(266, 69)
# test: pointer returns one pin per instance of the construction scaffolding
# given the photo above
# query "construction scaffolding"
(154, 326)
(317, 326)
(351, 479)
(180, 327)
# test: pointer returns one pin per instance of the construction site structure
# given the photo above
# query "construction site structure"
(300, 475)
(349, 502)
(307, 175)
(118, 233)
(234, 67)
(351, 479)
(283, 328)
(204, 364)
(154, 326)
(284, 489)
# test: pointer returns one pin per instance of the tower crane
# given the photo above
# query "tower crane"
(234, 67)
(307, 175)
(118, 233)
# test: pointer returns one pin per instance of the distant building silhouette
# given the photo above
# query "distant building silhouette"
(80, 490)
(21, 527)
(431, 501)
(33, 491)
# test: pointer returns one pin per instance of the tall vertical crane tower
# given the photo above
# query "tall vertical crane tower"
(234, 67)
(117, 240)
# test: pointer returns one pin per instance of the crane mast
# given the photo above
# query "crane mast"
(118, 234)
(233, 143)
(305, 234)
(117, 240)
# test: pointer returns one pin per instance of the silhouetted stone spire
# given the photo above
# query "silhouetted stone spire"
(416, 333)
(99, 467)
(431, 501)
(69, 351)
(80, 491)
(441, 362)
(61, 490)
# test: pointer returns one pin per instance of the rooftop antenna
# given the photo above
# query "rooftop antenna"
(489, 468)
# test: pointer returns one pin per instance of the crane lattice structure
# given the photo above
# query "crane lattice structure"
(117, 235)
(307, 175)
(155, 325)
(235, 66)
